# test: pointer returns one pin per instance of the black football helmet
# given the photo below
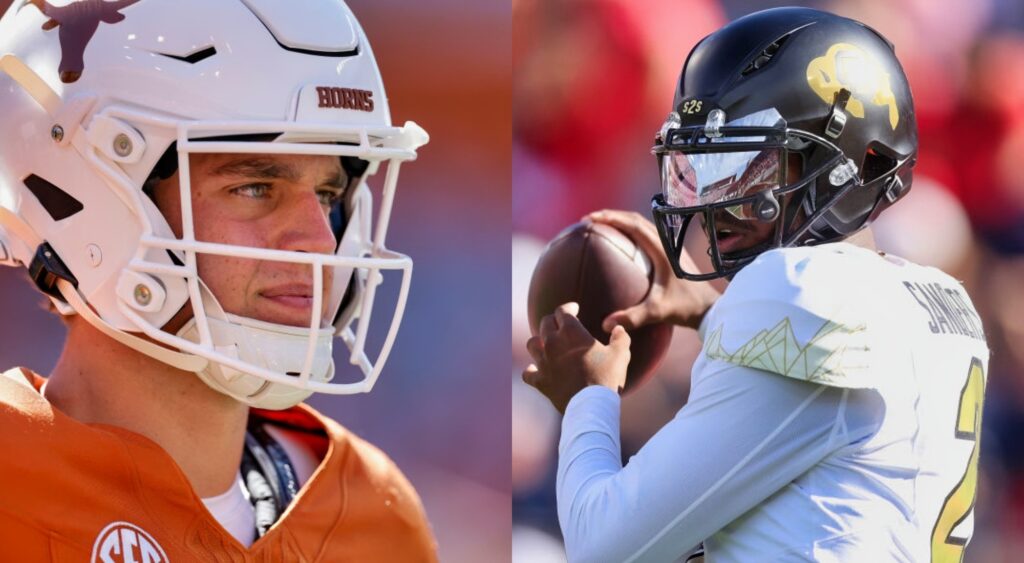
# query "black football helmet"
(791, 116)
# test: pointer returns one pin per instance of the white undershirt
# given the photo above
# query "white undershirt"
(234, 512)
(744, 434)
(233, 509)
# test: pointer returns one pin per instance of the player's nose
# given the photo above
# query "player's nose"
(305, 225)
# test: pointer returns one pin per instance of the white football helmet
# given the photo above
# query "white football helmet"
(94, 94)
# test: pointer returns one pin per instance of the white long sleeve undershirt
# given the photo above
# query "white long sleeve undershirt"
(743, 435)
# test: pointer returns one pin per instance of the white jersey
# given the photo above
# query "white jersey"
(834, 416)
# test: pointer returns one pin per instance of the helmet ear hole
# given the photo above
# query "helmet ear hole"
(876, 164)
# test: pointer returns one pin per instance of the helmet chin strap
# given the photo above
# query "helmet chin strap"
(180, 360)
(280, 348)
(277, 347)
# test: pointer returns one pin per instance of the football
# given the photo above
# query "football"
(600, 268)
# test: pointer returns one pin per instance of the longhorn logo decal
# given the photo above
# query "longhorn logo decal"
(78, 22)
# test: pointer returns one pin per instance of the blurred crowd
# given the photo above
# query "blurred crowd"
(594, 80)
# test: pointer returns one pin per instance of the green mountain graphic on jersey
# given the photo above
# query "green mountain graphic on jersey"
(836, 355)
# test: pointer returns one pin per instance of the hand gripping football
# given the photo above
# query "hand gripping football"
(600, 268)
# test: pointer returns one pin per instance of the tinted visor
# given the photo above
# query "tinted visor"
(699, 179)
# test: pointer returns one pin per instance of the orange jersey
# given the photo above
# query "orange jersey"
(102, 494)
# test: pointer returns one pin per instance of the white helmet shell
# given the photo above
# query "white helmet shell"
(94, 92)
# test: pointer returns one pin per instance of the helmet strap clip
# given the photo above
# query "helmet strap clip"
(894, 188)
(837, 121)
(714, 123)
(766, 207)
(47, 268)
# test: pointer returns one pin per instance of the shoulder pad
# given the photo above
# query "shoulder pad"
(798, 312)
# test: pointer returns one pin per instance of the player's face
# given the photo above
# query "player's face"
(737, 235)
(279, 202)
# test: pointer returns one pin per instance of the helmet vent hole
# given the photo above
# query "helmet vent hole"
(57, 202)
(765, 56)
(196, 57)
(876, 165)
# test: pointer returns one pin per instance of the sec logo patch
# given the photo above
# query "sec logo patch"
(121, 542)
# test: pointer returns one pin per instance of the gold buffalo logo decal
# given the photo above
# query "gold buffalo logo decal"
(78, 22)
(848, 66)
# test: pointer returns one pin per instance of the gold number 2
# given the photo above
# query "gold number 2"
(960, 501)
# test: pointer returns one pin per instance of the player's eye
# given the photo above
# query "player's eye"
(254, 191)
(329, 198)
